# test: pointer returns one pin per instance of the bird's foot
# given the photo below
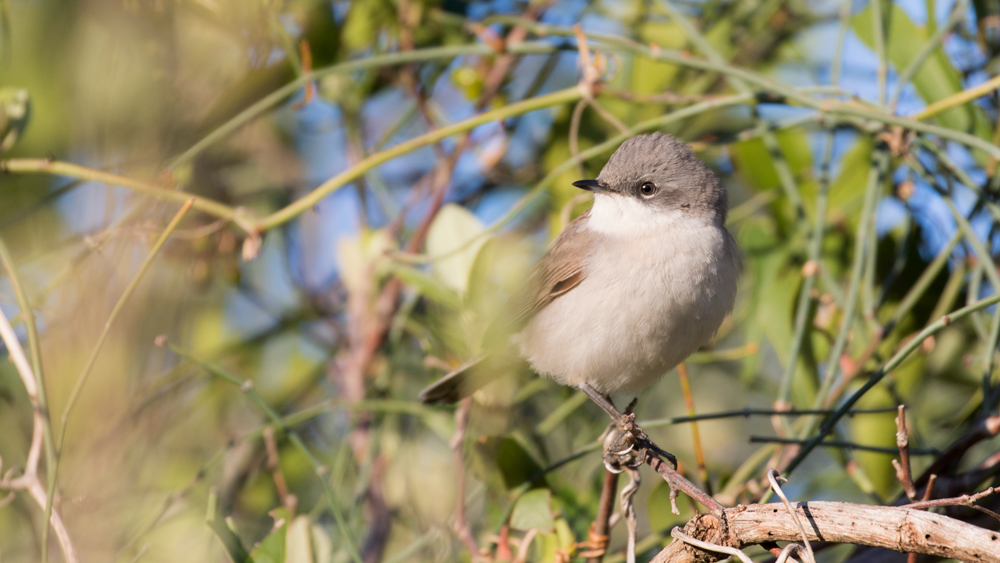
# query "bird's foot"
(627, 445)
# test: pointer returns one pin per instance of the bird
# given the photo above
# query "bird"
(628, 290)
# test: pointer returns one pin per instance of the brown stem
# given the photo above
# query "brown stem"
(605, 508)
(460, 525)
(903, 465)
(677, 481)
(271, 447)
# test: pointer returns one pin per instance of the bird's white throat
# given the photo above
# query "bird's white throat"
(622, 215)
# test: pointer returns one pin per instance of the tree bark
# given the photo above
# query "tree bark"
(899, 529)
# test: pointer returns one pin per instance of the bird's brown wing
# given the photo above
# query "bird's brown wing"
(558, 272)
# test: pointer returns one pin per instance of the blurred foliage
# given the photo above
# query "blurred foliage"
(356, 304)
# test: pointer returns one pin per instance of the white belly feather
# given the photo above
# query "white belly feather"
(655, 290)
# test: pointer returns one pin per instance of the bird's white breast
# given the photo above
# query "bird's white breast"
(657, 286)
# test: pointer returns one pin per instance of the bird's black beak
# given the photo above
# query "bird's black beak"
(592, 186)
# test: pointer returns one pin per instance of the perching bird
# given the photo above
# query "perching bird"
(628, 290)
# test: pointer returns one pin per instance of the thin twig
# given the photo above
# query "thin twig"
(677, 481)
(772, 477)
(748, 412)
(963, 500)
(893, 362)
(29, 479)
(321, 471)
(699, 454)
(959, 98)
(840, 444)
(903, 465)
(876, 172)
(460, 525)
(787, 552)
(678, 534)
(34, 345)
(92, 359)
(274, 464)
(878, 30)
(957, 14)
(628, 511)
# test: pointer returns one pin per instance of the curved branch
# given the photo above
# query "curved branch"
(899, 529)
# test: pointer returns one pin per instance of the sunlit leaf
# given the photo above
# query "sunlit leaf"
(557, 544)
(322, 546)
(533, 511)
(298, 545)
(427, 285)
(451, 238)
(271, 549)
(357, 256)
(658, 509)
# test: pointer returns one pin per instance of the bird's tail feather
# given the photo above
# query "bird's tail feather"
(465, 380)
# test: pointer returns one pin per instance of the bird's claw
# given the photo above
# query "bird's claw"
(626, 445)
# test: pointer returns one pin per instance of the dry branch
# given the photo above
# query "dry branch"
(899, 529)
(29, 480)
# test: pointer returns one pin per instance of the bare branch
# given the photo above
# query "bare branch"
(460, 525)
(899, 529)
(273, 463)
(964, 500)
(29, 480)
(773, 477)
(903, 465)
(597, 540)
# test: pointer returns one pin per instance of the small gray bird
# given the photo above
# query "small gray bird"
(629, 289)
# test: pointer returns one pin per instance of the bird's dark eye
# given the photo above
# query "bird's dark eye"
(647, 189)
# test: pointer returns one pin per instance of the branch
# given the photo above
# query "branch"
(899, 529)
(29, 480)
(903, 465)
(894, 362)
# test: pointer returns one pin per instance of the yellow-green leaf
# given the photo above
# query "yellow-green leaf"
(533, 511)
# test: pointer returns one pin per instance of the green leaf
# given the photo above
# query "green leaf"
(426, 284)
(298, 544)
(322, 546)
(533, 511)
(501, 266)
(937, 78)
(506, 456)
(356, 256)
(848, 190)
(453, 228)
(755, 165)
(365, 21)
(658, 511)
(876, 430)
(559, 540)
(271, 549)
(230, 541)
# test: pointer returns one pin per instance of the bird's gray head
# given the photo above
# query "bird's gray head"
(661, 174)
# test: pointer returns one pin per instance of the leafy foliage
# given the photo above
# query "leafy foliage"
(861, 221)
